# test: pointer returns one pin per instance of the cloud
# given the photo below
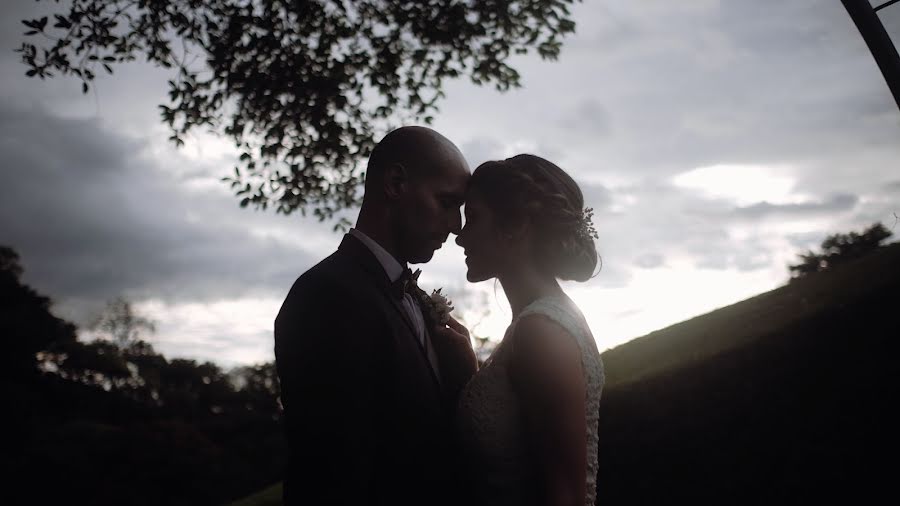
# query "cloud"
(676, 87)
(832, 204)
(751, 254)
(96, 215)
(481, 149)
(652, 225)
(649, 261)
(588, 117)
(806, 240)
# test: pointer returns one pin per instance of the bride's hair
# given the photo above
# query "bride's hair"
(529, 189)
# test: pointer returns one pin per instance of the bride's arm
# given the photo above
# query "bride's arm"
(547, 375)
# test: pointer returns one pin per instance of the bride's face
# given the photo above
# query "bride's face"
(480, 239)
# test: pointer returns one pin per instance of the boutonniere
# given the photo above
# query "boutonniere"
(436, 307)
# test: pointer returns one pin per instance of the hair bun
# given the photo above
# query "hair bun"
(572, 257)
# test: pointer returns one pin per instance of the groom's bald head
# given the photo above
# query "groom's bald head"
(420, 151)
(415, 184)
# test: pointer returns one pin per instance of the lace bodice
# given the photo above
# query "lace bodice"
(490, 422)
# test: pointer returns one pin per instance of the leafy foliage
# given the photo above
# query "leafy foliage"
(111, 421)
(187, 389)
(840, 248)
(121, 324)
(26, 323)
(302, 88)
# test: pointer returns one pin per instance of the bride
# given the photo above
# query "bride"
(527, 420)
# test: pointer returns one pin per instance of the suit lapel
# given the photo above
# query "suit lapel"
(359, 251)
(412, 332)
(403, 314)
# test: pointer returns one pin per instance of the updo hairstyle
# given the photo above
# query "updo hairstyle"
(529, 189)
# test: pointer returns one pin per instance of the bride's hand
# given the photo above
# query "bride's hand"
(455, 352)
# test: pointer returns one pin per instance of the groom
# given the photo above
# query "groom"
(368, 389)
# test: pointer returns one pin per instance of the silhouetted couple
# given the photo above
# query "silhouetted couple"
(383, 398)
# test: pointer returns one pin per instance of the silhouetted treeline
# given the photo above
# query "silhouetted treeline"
(96, 423)
(840, 248)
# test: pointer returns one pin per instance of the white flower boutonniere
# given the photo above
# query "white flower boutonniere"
(436, 307)
(440, 307)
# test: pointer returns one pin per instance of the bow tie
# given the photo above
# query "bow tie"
(405, 283)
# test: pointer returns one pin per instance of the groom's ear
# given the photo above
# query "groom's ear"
(396, 180)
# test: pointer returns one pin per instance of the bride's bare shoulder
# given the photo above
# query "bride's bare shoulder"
(541, 345)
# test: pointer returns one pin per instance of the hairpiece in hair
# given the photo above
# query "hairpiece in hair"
(586, 228)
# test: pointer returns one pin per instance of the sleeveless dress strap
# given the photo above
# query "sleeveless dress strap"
(555, 309)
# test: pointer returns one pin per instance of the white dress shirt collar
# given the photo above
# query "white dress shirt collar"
(393, 269)
(391, 266)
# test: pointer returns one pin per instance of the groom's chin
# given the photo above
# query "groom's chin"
(423, 257)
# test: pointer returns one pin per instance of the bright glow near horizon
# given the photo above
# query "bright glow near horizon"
(239, 331)
(236, 331)
(652, 300)
(658, 298)
(743, 184)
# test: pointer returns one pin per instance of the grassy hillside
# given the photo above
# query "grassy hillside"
(782, 397)
(785, 397)
(756, 318)
(267, 497)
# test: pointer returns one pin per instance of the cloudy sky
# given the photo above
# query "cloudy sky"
(714, 139)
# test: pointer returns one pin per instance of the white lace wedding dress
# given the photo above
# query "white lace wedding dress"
(496, 460)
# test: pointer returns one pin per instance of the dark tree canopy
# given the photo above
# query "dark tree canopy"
(302, 87)
(121, 324)
(840, 248)
(122, 424)
(27, 325)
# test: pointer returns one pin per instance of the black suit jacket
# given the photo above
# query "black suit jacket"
(365, 418)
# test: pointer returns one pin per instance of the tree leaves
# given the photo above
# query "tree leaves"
(62, 22)
(37, 24)
(303, 89)
(840, 248)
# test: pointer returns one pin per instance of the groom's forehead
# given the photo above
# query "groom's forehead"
(454, 179)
